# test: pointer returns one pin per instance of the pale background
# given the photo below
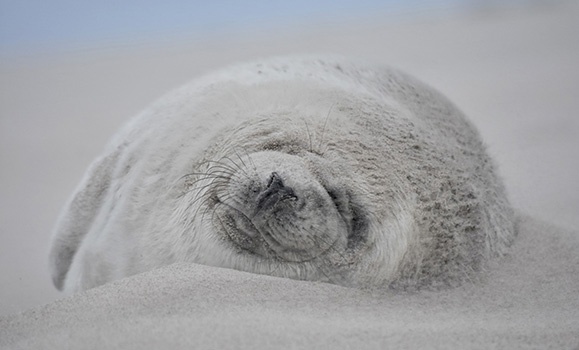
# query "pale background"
(71, 74)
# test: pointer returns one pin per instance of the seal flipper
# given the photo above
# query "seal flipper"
(78, 215)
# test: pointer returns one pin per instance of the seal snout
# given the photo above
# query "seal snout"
(275, 192)
(280, 209)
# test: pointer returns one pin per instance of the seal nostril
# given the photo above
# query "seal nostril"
(275, 182)
(276, 191)
(289, 194)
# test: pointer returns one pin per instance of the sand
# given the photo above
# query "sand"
(528, 300)
(514, 73)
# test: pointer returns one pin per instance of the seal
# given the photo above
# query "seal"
(305, 167)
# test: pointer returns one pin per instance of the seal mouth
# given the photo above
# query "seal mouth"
(244, 234)
(258, 233)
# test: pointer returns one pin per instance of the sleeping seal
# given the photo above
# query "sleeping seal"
(311, 168)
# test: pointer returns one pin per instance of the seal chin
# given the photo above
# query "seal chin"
(280, 210)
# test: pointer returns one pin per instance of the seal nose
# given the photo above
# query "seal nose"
(275, 191)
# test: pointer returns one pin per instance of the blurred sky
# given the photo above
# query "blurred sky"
(46, 26)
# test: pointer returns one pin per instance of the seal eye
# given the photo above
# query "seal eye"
(340, 201)
(351, 214)
(333, 196)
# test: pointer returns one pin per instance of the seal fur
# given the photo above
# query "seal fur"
(313, 168)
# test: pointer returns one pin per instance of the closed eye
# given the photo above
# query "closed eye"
(352, 214)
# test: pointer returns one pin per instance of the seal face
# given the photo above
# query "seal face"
(302, 167)
(282, 207)
(295, 224)
(277, 208)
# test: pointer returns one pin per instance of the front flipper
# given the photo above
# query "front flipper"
(79, 214)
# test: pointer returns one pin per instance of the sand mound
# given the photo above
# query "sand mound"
(529, 300)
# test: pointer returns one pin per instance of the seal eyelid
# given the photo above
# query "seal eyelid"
(351, 214)
(336, 198)
(333, 196)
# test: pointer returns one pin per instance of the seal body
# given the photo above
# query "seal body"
(312, 168)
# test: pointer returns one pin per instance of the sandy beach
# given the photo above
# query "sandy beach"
(515, 74)
(527, 302)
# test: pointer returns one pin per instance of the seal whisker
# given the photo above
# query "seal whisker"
(215, 173)
(215, 181)
(308, 132)
(324, 128)
(231, 164)
(225, 198)
(209, 162)
(199, 198)
(251, 161)
(241, 160)
(209, 175)
(206, 196)
(230, 169)
(194, 186)
(219, 165)
(234, 163)
(216, 185)
(206, 175)
(226, 169)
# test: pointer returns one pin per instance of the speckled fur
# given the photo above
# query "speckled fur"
(438, 211)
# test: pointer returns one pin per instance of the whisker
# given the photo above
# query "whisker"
(199, 199)
(222, 167)
(309, 135)
(240, 159)
(211, 175)
(219, 182)
(232, 168)
(324, 127)
(219, 164)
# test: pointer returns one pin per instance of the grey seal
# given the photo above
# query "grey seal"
(306, 167)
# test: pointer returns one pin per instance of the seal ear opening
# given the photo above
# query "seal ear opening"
(78, 215)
